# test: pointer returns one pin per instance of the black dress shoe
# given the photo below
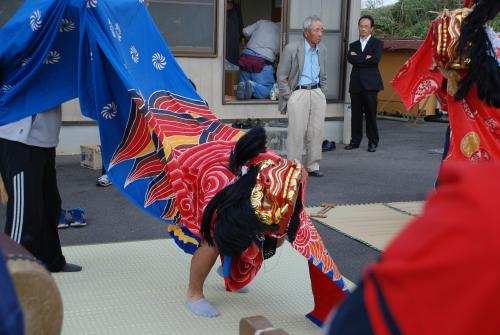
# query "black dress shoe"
(351, 146)
(372, 147)
(316, 173)
(328, 146)
(68, 267)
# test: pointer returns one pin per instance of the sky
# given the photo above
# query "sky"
(386, 2)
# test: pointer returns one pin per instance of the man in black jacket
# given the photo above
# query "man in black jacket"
(366, 82)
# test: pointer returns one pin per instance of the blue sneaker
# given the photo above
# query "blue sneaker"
(63, 223)
(77, 218)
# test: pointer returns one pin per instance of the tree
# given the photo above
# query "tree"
(372, 4)
(411, 18)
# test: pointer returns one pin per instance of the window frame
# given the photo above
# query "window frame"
(192, 53)
(284, 4)
(343, 31)
(285, 17)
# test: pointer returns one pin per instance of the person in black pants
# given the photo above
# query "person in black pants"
(28, 169)
(366, 82)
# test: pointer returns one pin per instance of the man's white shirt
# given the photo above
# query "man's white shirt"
(364, 42)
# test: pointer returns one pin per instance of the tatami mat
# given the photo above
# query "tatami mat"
(372, 224)
(139, 288)
(410, 207)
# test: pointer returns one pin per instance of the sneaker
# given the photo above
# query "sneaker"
(256, 123)
(247, 124)
(237, 124)
(248, 89)
(328, 146)
(77, 218)
(63, 223)
(240, 91)
(103, 181)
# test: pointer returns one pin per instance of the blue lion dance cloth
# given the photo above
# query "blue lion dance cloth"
(161, 145)
(107, 53)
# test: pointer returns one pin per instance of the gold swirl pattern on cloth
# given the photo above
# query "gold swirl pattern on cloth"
(439, 32)
(276, 189)
(470, 144)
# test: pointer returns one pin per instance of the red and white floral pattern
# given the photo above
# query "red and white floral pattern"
(471, 113)
(424, 88)
(480, 155)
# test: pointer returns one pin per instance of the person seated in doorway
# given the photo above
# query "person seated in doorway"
(256, 60)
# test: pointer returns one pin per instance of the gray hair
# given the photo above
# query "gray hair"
(308, 21)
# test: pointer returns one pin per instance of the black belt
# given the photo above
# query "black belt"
(307, 87)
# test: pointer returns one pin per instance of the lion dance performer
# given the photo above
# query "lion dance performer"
(162, 146)
(459, 61)
(250, 217)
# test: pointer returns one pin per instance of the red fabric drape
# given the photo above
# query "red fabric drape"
(414, 81)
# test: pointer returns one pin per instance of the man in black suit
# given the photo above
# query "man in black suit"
(366, 82)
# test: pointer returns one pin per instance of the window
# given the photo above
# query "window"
(188, 26)
(252, 27)
(291, 13)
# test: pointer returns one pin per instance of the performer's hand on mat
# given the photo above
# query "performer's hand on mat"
(353, 53)
(368, 56)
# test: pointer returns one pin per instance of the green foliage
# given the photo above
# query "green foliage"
(495, 24)
(412, 18)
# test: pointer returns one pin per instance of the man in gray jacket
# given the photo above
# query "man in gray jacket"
(27, 166)
(301, 79)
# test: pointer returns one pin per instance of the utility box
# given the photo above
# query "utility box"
(91, 156)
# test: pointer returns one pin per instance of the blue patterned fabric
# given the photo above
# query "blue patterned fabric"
(110, 55)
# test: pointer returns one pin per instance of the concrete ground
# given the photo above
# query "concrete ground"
(403, 169)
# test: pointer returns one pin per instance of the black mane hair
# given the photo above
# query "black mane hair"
(475, 45)
(247, 147)
(294, 224)
(236, 224)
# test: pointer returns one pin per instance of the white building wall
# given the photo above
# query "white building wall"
(207, 74)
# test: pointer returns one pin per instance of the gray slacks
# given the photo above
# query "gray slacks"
(306, 121)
